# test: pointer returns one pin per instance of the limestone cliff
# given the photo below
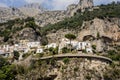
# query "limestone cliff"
(97, 31)
(68, 69)
(32, 9)
(42, 16)
(80, 7)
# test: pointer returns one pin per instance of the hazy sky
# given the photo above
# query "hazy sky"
(49, 4)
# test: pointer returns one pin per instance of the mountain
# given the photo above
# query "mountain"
(32, 9)
(97, 25)
(9, 14)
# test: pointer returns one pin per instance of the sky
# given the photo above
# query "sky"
(49, 4)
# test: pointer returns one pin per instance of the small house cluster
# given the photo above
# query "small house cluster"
(25, 46)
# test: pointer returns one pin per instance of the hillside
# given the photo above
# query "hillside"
(99, 25)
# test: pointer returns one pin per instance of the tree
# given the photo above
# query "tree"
(16, 55)
(70, 37)
(7, 71)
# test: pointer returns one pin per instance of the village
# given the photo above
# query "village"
(26, 46)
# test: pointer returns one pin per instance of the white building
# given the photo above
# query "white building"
(53, 45)
(23, 49)
(4, 54)
(33, 44)
(39, 50)
(76, 45)
(84, 46)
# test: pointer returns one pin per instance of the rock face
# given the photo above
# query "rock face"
(86, 4)
(80, 7)
(32, 9)
(9, 14)
(71, 69)
(100, 28)
(41, 15)
(28, 33)
(98, 32)
(49, 17)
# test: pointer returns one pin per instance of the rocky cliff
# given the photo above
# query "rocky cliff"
(67, 69)
(97, 31)
(80, 7)
(10, 14)
(42, 16)
(32, 9)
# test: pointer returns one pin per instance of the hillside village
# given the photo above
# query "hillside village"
(80, 43)
(25, 46)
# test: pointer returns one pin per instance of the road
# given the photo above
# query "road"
(76, 56)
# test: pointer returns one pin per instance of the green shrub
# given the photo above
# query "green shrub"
(25, 55)
(16, 55)
(84, 51)
(65, 50)
(7, 71)
(66, 60)
(76, 69)
(94, 47)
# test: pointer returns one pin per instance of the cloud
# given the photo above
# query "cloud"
(62, 4)
(97, 2)
(50, 4)
(35, 1)
(54, 4)
(3, 5)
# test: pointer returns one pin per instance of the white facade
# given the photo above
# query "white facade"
(33, 44)
(76, 45)
(84, 46)
(4, 54)
(53, 45)
(39, 50)
(89, 50)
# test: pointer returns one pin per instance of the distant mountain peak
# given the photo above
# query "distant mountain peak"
(32, 9)
(34, 5)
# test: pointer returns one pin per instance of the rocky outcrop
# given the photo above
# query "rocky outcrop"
(41, 15)
(10, 14)
(98, 32)
(100, 28)
(69, 69)
(49, 17)
(80, 7)
(32, 9)
(86, 4)
(28, 33)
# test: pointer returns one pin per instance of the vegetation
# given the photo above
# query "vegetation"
(65, 50)
(66, 60)
(26, 55)
(72, 23)
(75, 22)
(53, 51)
(113, 55)
(113, 73)
(76, 69)
(16, 55)
(94, 47)
(70, 37)
(7, 71)
(84, 51)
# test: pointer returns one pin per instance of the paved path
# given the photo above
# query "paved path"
(77, 56)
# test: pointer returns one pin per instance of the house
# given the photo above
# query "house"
(4, 54)
(33, 44)
(75, 45)
(39, 50)
(53, 45)
(84, 46)
(23, 49)
(23, 42)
